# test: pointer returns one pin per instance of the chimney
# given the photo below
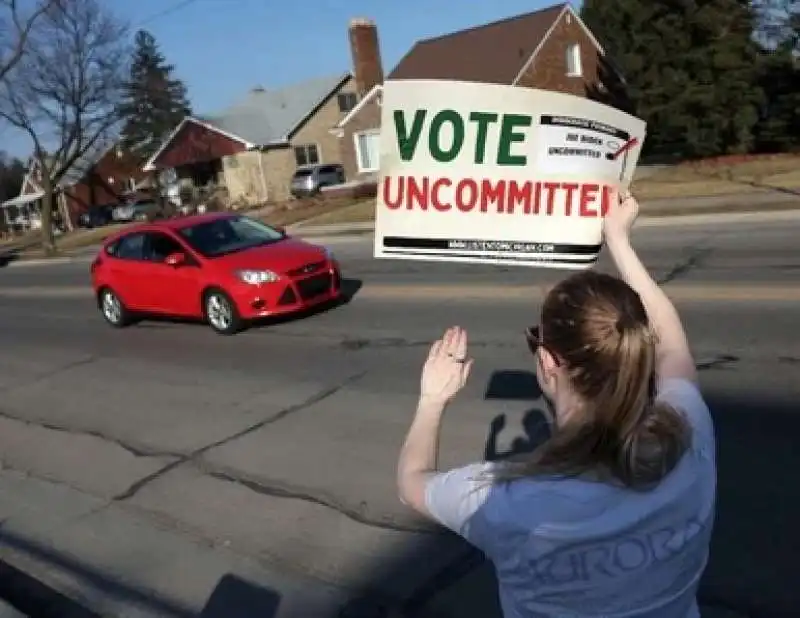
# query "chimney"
(366, 52)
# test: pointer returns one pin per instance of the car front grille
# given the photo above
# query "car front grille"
(307, 269)
(314, 286)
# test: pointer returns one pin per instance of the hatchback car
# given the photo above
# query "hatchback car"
(223, 268)
(310, 179)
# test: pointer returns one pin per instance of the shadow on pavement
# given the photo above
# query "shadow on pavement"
(751, 572)
(236, 598)
(233, 597)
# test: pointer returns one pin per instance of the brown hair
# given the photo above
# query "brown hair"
(597, 328)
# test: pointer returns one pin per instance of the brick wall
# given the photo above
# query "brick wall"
(549, 69)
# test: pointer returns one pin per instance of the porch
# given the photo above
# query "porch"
(22, 213)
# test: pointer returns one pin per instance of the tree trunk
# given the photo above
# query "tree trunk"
(48, 238)
(66, 217)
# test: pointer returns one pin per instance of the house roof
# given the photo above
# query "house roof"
(83, 164)
(271, 116)
(264, 117)
(493, 53)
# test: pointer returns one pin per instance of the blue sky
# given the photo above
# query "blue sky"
(222, 48)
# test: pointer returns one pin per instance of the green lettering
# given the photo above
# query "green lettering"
(407, 142)
(435, 134)
(509, 136)
(482, 119)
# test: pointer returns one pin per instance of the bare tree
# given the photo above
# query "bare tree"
(16, 25)
(65, 91)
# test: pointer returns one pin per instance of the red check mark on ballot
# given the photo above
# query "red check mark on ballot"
(625, 147)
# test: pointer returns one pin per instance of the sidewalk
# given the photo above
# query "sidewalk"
(119, 562)
(110, 560)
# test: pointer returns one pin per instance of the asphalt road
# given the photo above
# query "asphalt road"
(280, 444)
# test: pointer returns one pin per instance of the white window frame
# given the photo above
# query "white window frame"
(356, 136)
(573, 58)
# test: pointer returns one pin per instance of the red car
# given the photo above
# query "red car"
(226, 269)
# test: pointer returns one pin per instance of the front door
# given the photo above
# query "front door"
(174, 290)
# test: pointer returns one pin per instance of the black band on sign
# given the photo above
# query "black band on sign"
(507, 258)
(487, 245)
(585, 124)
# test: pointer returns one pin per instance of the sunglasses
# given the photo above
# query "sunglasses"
(533, 335)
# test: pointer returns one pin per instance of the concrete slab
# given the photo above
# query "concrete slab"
(156, 407)
(122, 563)
(343, 549)
(95, 465)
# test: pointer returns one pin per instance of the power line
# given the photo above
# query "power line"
(167, 11)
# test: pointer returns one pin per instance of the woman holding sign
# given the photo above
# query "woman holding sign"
(612, 515)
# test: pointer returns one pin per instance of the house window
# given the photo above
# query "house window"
(367, 150)
(347, 101)
(574, 68)
(307, 154)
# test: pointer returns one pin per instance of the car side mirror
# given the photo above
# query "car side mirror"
(176, 259)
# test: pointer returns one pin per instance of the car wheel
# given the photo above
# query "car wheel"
(220, 313)
(113, 309)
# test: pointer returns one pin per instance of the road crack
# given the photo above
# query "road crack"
(136, 451)
(274, 418)
(683, 267)
(284, 491)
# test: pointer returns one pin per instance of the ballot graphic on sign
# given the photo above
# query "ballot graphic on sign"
(484, 173)
(582, 146)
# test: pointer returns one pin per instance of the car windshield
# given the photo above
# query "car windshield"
(226, 235)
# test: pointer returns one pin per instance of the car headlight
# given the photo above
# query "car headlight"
(255, 277)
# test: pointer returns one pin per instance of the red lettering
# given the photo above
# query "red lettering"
(550, 188)
(588, 196)
(470, 187)
(437, 203)
(418, 193)
(393, 204)
(570, 188)
(519, 194)
(608, 194)
(494, 193)
(537, 200)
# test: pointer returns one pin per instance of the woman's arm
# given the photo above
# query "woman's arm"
(418, 457)
(674, 358)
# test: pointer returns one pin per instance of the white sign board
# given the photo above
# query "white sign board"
(494, 174)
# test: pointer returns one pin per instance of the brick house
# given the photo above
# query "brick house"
(550, 49)
(103, 176)
(254, 147)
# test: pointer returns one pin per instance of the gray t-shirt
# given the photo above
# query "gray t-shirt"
(575, 548)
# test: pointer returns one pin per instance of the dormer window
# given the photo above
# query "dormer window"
(574, 66)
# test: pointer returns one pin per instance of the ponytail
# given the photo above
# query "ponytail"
(624, 435)
(651, 436)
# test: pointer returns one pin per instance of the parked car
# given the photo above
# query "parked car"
(143, 210)
(224, 268)
(309, 179)
(95, 216)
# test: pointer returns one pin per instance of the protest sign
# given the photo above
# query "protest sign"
(495, 174)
